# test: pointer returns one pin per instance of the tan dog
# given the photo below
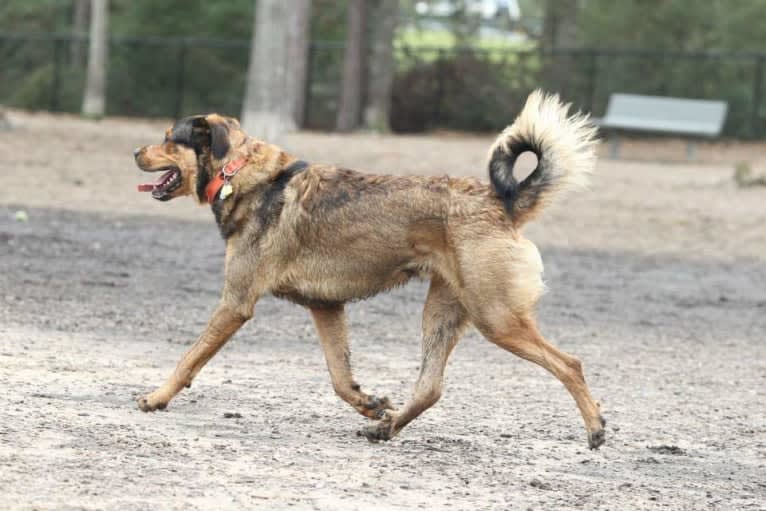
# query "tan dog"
(322, 236)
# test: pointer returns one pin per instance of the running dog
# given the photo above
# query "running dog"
(322, 236)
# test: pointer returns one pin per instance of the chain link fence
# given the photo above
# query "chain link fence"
(462, 89)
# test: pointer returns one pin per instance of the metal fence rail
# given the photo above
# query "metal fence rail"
(463, 88)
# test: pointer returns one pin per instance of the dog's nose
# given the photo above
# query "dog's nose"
(136, 152)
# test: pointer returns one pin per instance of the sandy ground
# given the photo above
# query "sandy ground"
(657, 281)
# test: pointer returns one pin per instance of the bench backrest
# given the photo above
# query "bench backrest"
(654, 113)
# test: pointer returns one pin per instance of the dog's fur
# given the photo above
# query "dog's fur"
(322, 236)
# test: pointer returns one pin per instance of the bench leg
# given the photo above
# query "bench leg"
(614, 147)
(691, 150)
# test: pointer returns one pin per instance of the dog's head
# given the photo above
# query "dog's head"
(191, 150)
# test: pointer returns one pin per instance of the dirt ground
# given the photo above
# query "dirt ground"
(657, 282)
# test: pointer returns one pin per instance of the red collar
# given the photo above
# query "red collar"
(228, 171)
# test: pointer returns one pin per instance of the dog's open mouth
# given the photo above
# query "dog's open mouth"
(165, 185)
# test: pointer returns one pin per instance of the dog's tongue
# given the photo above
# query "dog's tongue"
(162, 181)
(150, 187)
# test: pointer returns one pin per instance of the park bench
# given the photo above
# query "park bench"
(692, 118)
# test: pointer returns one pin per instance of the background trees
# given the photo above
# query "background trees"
(298, 59)
(94, 100)
(380, 64)
(276, 76)
(349, 110)
(77, 46)
(278, 56)
(559, 32)
(179, 57)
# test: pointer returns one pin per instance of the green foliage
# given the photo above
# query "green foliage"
(469, 91)
(464, 25)
(36, 89)
(673, 25)
(461, 90)
(230, 19)
(328, 20)
(678, 26)
(145, 77)
(191, 18)
(36, 16)
(415, 37)
(29, 71)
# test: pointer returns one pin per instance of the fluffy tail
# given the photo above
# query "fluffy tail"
(565, 149)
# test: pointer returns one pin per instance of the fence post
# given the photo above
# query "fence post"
(592, 73)
(307, 85)
(55, 75)
(440, 64)
(757, 92)
(180, 72)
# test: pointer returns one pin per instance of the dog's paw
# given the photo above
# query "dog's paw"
(382, 430)
(376, 407)
(151, 403)
(597, 438)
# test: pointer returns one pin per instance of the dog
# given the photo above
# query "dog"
(322, 236)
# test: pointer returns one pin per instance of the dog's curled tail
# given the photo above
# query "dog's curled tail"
(565, 149)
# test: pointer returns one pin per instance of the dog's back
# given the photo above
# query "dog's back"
(348, 235)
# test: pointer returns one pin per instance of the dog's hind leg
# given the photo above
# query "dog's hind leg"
(444, 319)
(224, 323)
(519, 335)
(502, 282)
(331, 326)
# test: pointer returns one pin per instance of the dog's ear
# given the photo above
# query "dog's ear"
(182, 131)
(203, 131)
(219, 136)
(231, 122)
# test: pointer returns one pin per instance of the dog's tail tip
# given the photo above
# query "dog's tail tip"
(565, 146)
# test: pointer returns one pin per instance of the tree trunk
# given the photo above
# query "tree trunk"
(349, 109)
(94, 102)
(79, 27)
(381, 65)
(274, 79)
(559, 32)
(299, 33)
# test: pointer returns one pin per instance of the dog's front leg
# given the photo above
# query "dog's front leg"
(444, 319)
(225, 322)
(331, 326)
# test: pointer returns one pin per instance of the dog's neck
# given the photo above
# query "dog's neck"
(220, 185)
(263, 163)
(266, 170)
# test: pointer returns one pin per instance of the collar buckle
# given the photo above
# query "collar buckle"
(236, 166)
(221, 182)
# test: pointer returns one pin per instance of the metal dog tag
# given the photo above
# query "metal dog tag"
(226, 190)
